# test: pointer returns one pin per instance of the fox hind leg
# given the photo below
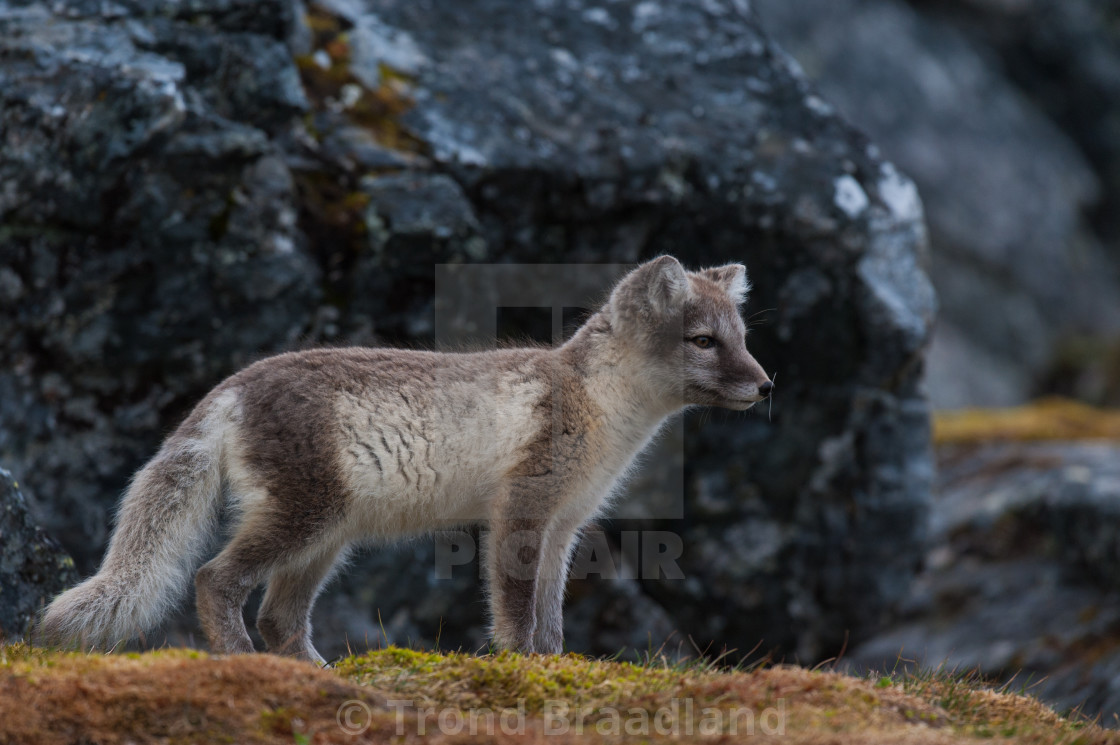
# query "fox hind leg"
(284, 619)
(223, 584)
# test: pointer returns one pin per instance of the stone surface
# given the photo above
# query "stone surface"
(1006, 191)
(33, 567)
(154, 242)
(195, 185)
(1020, 581)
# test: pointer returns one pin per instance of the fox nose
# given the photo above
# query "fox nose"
(766, 388)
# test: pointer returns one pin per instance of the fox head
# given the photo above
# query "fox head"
(686, 330)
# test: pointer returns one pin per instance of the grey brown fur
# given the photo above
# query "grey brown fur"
(318, 450)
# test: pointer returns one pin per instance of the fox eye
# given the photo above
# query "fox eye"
(703, 341)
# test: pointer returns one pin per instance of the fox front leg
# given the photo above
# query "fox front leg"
(512, 555)
(560, 540)
(513, 552)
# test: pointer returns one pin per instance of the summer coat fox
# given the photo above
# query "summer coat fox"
(314, 451)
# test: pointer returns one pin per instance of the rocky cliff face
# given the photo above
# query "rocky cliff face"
(189, 186)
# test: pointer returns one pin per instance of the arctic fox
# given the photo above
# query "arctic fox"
(314, 451)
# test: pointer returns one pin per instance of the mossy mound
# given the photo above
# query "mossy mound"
(398, 695)
(1045, 419)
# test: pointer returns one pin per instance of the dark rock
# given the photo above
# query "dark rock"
(33, 567)
(1020, 581)
(1005, 190)
(175, 213)
(155, 247)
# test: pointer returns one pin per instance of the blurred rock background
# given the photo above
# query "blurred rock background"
(188, 186)
(1005, 115)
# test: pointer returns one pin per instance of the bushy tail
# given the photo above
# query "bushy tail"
(165, 524)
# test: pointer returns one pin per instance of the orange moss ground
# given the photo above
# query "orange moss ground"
(174, 696)
(1045, 419)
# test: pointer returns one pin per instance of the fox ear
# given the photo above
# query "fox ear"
(667, 284)
(732, 278)
(657, 288)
